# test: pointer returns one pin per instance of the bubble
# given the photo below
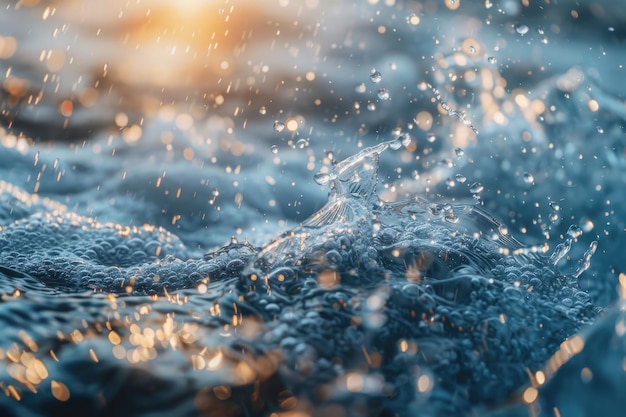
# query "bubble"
(460, 178)
(476, 188)
(274, 149)
(376, 77)
(383, 94)
(278, 126)
(492, 60)
(529, 178)
(521, 29)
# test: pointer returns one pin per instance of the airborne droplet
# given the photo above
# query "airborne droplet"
(278, 126)
(274, 149)
(376, 77)
(528, 178)
(383, 94)
(476, 188)
(521, 29)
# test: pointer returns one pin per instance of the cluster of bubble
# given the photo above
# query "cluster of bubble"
(405, 306)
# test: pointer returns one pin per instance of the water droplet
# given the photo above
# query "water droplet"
(450, 182)
(503, 230)
(472, 49)
(431, 138)
(492, 60)
(321, 178)
(383, 94)
(376, 76)
(330, 155)
(540, 30)
(406, 140)
(544, 40)
(553, 217)
(587, 225)
(476, 188)
(459, 152)
(460, 178)
(302, 143)
(262, 110)
(274, 149)
(278, 126)
(360, 88)
(528, 178)
(575, 231)
(555, 206)
(521, 29)
(599, 129)
(371, 106)
(488, 4)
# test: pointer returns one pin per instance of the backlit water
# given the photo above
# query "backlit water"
(302, 208)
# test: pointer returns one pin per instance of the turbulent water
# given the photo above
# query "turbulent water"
(298, 208)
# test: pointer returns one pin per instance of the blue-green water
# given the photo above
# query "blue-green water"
(312, 208)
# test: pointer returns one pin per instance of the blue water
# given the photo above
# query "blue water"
(312, 208)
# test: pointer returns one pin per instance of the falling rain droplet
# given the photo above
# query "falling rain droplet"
(278, 126)
(521, 29)
(476, 188)
(383, 94)
(376, 77)
(274, 149)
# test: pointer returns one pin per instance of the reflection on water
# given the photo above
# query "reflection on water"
(161, 219)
